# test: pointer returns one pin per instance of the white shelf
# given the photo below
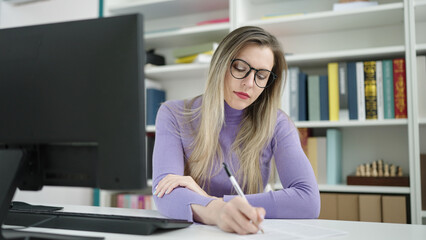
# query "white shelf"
(352, 123)
(328, 124)
(364, 189)
(374, 16)
(157, 9)
(424, 214)
(421, 48)
(172, 72)
(358, 189)
(345, 55)
(187, 36)
(422, 121)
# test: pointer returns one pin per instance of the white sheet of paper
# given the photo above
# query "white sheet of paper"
(292, 230)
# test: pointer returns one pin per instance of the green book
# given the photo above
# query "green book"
(334, 156)
(314, 98)
(194, 49)
(388, 89)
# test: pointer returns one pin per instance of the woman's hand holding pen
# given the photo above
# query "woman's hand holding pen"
(171, 181)
(238, 216)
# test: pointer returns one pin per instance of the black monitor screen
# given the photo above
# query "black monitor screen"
(72, 96)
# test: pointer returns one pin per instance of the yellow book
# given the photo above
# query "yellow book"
(333, 91)
(190, 59)
(187, 59)
(281, 16)
(313, 154)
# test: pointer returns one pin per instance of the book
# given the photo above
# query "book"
(343, 92)
(400, 88)
(302, 97)
(388, 104)
(194, 49)
(213, 21)
(333, 91)
(313, 98)
(279, 15)
(423, 180)
(421, 86)
(120, 200)
(334, 156)
(294, 99)
(370, 90)
(360, 90)
(285, 98)
(154, 99)
(204, 57)
(352, 91)
(134, 201)
(379, 90)
(312, 154)
(304, 134)
(322, 159)
(324, 105)
(127, 201)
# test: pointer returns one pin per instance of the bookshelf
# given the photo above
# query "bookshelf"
(392, 29)
(341, 188)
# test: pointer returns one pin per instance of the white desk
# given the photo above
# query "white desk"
(354, 230)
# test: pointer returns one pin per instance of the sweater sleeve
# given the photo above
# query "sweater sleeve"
(168, 158)
(299, 197)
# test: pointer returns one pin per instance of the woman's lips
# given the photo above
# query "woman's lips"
(242, 95)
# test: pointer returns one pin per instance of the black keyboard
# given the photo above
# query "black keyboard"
(92, 222)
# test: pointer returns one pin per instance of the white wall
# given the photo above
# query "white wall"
(46, 11)
(40, 12)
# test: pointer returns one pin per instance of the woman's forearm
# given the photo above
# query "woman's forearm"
(207, 214)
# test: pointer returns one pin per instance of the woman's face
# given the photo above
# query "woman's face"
(240, 93)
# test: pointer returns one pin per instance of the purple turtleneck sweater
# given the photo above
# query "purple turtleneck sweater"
(299, 197)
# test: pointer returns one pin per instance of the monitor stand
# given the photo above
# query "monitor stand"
(12, 162)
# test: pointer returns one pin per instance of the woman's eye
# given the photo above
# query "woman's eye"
(261, 77)
(240, 68)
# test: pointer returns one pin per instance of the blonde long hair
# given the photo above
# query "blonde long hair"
(259, 118)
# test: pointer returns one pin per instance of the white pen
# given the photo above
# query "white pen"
(237, 186)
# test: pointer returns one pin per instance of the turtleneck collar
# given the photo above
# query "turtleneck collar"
(232, 116)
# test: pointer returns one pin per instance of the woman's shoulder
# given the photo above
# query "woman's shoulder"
(284, 122)
(283, 118)
(173, 104)
(177, 107)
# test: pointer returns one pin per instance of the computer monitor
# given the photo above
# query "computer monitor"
(72, 103)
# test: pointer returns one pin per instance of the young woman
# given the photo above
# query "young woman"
(237, 121)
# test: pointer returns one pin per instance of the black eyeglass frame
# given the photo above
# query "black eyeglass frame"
(271, 75)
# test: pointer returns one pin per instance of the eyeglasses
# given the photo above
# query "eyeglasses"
(241, 69)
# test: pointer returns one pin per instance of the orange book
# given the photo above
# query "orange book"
(304, 133)
(400, 88)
